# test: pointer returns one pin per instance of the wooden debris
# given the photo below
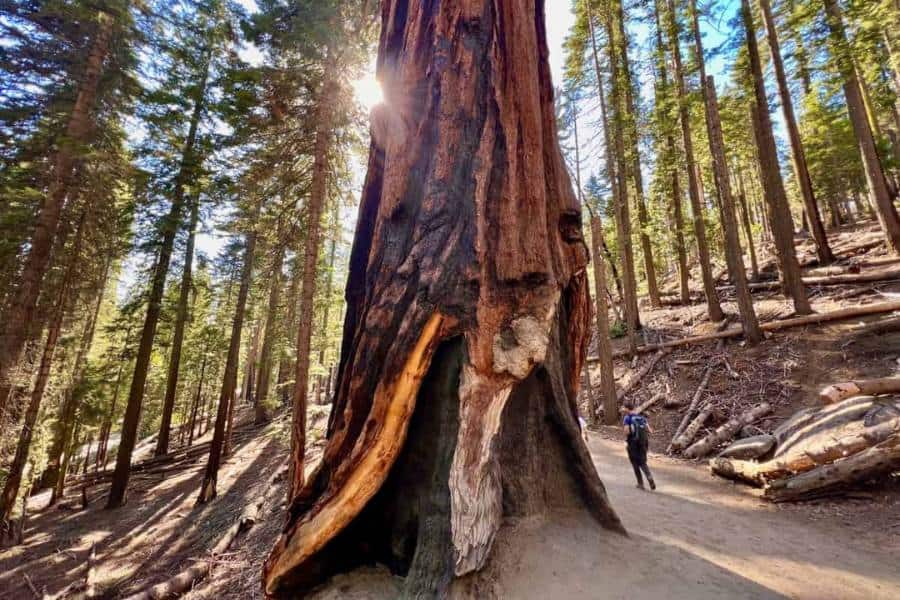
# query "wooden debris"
(815, 319)
(878, 460)
(644, 406)
(755, 446)
(727, 431)
(638, 376)
(870, 387)
(695, 401)
(690, 432)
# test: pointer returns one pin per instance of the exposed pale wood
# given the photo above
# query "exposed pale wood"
(807, 456)
(640, 374)
(695, 401)
(690, 432)
(868, 387)
(649, 403)
(878, 460)
(726, 431)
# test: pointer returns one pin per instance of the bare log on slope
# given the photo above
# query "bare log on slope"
(869, 387)
(807, 456)
(842, 314)
(649, 403)
(878, 327)
(695, 401)
(877, 461)
(690, 432)
(185, 580)
(727, 431)
(827, 280)
(640, 374)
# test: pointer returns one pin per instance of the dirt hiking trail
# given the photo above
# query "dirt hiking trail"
(696, 537)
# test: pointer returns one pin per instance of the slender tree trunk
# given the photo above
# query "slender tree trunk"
(106, 428)
(19, 318)
(467, 315)
(875, 178)
(748, 228)
(315, 207)
(17, 468)
(628, 300)
(229, 380)
(604, 347)
(780, 220)
(616, 166)
(635, 155)
(198, 397)
(714, 309)
(801, 170)
(171, 224)
(329, 283)
(271, 333)
(733, 253)
(162, 442)
(672, 161)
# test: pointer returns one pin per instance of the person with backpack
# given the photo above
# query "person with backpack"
(637, 438)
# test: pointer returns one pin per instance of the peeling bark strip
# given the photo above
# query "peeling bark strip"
(468, 230)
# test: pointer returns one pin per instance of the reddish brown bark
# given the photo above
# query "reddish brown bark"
(265, 355)
(878, 189)
(468, 313)
(714, 309)
(20, 315)
(314, 210)
(779, 213)
(798, 155)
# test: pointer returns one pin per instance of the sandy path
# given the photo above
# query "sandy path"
(715, 539)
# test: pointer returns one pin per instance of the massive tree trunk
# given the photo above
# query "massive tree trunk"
(779, 213)
(468, 313)
(877, 183)
(18, 320)
(801, 172)
(714, 309)
(162, 442)
(733, 253)
(170, 227)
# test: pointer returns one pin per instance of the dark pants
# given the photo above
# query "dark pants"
(637, 454)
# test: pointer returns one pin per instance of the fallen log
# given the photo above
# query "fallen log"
(727, 431)
(876, 461)
(186, 579)
(755, 446)
(644, 406)
(807, 458)
(868, 387)
(838, 315)
(640, 374)
(828, 280)
(878, 327)
(695, 401)
(690, 432)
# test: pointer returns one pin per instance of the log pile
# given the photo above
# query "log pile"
(823, 451)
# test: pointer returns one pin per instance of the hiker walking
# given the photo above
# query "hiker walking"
(637, 438)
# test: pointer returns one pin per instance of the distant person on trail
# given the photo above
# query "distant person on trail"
(637, 438)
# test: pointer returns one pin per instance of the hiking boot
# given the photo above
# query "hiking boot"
(652, 484)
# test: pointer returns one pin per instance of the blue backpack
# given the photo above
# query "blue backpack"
(638, 425)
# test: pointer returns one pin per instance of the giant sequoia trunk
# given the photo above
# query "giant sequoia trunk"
(468, 313)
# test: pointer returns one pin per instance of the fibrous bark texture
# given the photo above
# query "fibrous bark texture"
(468, 313)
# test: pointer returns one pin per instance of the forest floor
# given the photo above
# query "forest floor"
(696, 537)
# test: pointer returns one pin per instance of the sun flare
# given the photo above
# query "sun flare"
(368, 92)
